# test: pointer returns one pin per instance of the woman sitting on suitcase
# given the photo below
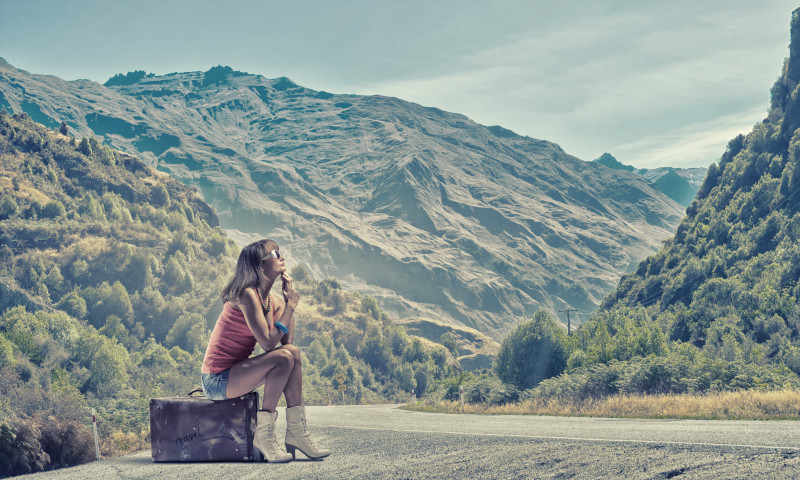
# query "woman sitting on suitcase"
(249, 315)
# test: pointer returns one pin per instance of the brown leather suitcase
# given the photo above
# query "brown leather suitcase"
(196, 429)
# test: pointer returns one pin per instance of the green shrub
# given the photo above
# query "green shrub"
(449, 341)
(449, 388)
(84, 147)
(218, 245)
(405, 378)
(299, 273)
(620, 333)
(181, 332)
(370, 306)
(109, 369)
(20, 449)
(8, 207)
(489, 390)
(532, 352)
(106, 300)
(34, 444)
(67, 443)
(216, 75)
(686, 369)
(159, 196)
(6, 352)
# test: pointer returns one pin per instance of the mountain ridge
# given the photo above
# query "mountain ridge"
(469, 224)
(679, 184)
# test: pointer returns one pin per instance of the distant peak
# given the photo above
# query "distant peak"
(501, 132)
(220, 74)
(127, 79)
(283, 83)
(608, 160)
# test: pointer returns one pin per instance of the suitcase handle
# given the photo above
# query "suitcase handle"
(194, 391)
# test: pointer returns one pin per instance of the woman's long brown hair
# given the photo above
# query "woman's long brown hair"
(248, 269)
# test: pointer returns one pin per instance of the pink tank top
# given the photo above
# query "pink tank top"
(230, 342)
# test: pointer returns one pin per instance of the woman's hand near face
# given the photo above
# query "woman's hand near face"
(290, 295)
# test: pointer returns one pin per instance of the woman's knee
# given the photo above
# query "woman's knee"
(277, 359)
(284, 358)
(295, 350)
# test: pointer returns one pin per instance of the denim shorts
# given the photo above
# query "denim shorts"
(215, 384)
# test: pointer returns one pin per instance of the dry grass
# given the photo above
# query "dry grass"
(26, 189)
(740, 405)
(119, 443)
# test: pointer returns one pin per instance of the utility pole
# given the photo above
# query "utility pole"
(569, 326)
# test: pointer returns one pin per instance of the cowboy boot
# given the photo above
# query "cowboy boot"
(297, 438)
(265, 439)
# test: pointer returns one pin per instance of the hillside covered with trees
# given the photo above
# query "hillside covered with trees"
(727, 280)
(110, 278)
(715, 309)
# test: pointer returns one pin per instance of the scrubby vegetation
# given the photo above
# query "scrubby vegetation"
(620, 352)
(92, 280)
(109, 285)
(738, 405)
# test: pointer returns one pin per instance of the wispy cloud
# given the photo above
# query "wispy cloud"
(694, 145)
(617, 82)
(589, 75)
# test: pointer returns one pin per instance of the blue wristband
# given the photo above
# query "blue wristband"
(281, 327)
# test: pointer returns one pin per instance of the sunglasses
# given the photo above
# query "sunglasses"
(276, 254)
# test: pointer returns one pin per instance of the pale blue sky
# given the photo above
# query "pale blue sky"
(654, 84)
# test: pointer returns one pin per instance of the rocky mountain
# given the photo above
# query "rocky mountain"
(433, 214)
(679, 184)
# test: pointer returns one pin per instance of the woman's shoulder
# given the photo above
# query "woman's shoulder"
(277, 300)
(232, 305)
(248, 297)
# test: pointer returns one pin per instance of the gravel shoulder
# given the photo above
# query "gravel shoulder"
(383, 442)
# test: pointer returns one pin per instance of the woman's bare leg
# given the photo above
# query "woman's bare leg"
(272, 369)
(294, 385)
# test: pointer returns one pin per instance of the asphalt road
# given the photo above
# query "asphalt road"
(377, 442)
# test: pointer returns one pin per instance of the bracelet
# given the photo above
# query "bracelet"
(281, 327)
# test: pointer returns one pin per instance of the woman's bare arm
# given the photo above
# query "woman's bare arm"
(284, 318)
(291, 297)
(262, 327)
(289, 336)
